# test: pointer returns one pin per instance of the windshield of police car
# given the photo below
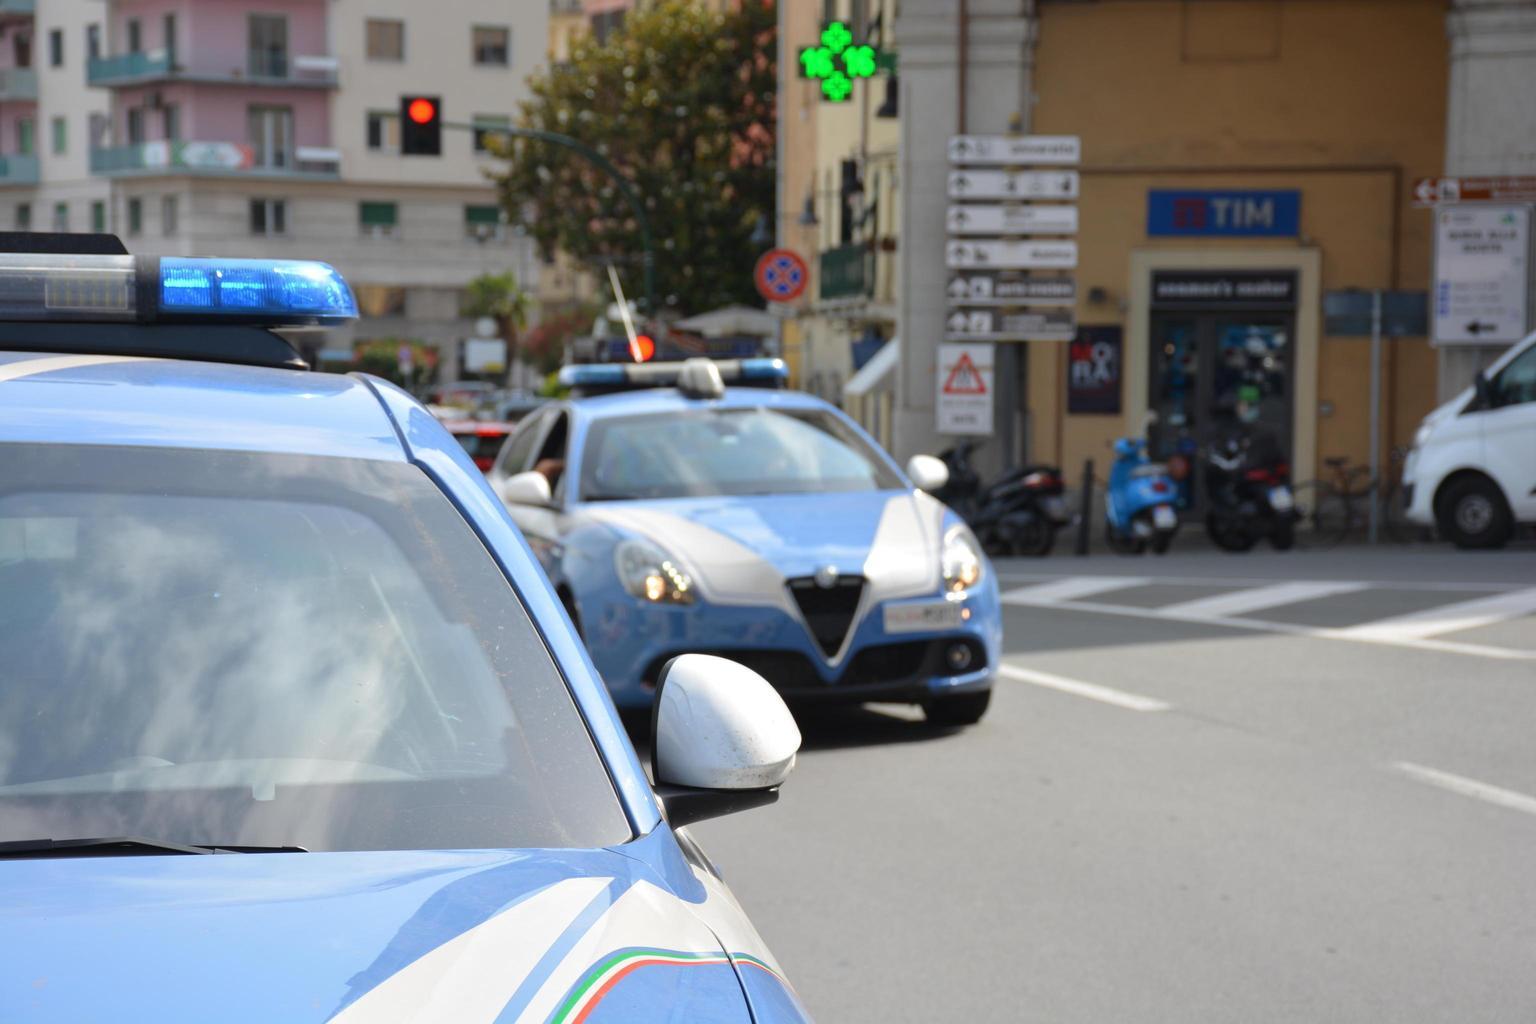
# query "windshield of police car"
(707, 452)
(239, 649)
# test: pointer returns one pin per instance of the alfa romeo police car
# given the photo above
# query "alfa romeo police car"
(676, 513)
(292, 726)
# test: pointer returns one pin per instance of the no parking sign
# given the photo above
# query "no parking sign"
(781, 275)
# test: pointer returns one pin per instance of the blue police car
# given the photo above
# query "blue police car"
(292, 726)
(699, 506)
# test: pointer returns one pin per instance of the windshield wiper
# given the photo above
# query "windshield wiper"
(121, 846)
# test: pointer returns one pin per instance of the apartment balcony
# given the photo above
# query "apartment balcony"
(18, 170)
(214, 159)
(262, 68)
(13, 10)
(18, 85)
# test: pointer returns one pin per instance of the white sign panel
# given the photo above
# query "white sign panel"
(1015, 149)
(965, 389)
(1482, 274)
(485, 355)
(1002, 325)
(1011, 255)
(1013, 184)
(1012, 220)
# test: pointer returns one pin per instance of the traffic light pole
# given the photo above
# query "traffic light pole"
(602, 163)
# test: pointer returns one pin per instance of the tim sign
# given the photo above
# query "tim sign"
(1238, 214)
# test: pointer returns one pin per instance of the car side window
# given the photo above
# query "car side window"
(551, 459)
(1516, 383)
(519, 446)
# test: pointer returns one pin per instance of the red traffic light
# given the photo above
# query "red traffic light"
(420, 110)
(643, 348)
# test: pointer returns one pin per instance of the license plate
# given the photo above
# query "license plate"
(1280, 499)
(921, 618)
(1163, 517)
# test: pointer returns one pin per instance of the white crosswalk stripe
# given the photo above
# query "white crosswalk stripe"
(1252, 599)
(1422, 630)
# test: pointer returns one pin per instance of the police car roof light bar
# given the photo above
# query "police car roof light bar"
(687, 376)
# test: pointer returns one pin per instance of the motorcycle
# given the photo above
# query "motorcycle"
(1249, 496)
(1018, 514)
(1139, 508)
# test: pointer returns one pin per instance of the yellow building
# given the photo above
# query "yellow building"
(1190, 115)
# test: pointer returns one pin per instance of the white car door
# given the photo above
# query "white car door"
(1509, 432)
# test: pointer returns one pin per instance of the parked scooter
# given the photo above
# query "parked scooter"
(1139, 501)
(1248, 495)
(1018, 514)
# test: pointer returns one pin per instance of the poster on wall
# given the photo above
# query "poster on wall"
(965, 389)
(1093, 370)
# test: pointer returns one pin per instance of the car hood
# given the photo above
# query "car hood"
(741, 549)
(357, 938)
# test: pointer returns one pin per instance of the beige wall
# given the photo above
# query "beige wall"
(1275, 94)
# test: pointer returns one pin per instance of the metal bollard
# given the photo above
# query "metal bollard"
(1085, 509)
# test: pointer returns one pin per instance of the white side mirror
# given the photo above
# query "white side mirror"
(531, 488)
(722, 739)
(927, 472)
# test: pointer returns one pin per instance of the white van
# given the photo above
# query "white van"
(1472, 470)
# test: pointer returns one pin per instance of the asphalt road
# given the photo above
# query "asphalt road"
(1218, 788)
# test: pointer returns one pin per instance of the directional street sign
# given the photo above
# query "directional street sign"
(997, 220)
(1482, 274)
(1013, 184)
(1011, 254)
(1430, 191)
(992, 289)
(1015, 150)
(994, 325)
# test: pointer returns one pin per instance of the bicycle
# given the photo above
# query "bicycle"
(1328, 511)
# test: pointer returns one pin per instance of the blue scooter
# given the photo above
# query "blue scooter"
(1139, 503)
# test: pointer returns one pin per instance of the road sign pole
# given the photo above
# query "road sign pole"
(1375, 496)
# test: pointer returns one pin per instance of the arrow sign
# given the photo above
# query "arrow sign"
(1426, 192)
(1012, 255)
(1477, 327)
(1004, 150)
(957, 322)
(996, 220)
(1013, 184)
(1054, 325)
(959, 288)
(989, 289)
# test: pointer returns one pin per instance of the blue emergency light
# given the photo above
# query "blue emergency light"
(699, 377)
(146, 289)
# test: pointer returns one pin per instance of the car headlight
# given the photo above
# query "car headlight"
(1421, 436)
(961, 560)
(647, 572)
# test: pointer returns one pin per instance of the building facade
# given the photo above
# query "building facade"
(270, 129)
(1243, 166)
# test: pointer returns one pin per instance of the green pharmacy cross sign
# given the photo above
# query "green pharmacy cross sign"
(838, 62)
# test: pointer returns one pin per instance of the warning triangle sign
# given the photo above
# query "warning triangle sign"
(964, 379)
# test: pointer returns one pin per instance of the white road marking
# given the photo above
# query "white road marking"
(47, 364)
(1469, 787)
(1070, 589)
(1251, 599)
(1093, 691)
(1448, 618)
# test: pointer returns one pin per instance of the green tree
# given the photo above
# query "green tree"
(682, 101)
(499, 297)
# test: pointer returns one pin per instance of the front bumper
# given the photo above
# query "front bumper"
(630, 642)
(1418, 500)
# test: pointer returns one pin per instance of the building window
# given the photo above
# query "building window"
(168, 29)
(171, 115)
(491, 45)
(99, 125)
(483, 223)
(56, 48)
(60, 136)
(21, 48)
(377, 220)
(268, 38)
(93, 42)
(384, 131)
(135, 125)
(486, 124)
(269, 130)
(269, 217)
(99, 217)
(167, 215)
(23, 216)
(61, 216)
(135, 33)
(605, 24)
(135, 216)
(25, 142)
(386, 39)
